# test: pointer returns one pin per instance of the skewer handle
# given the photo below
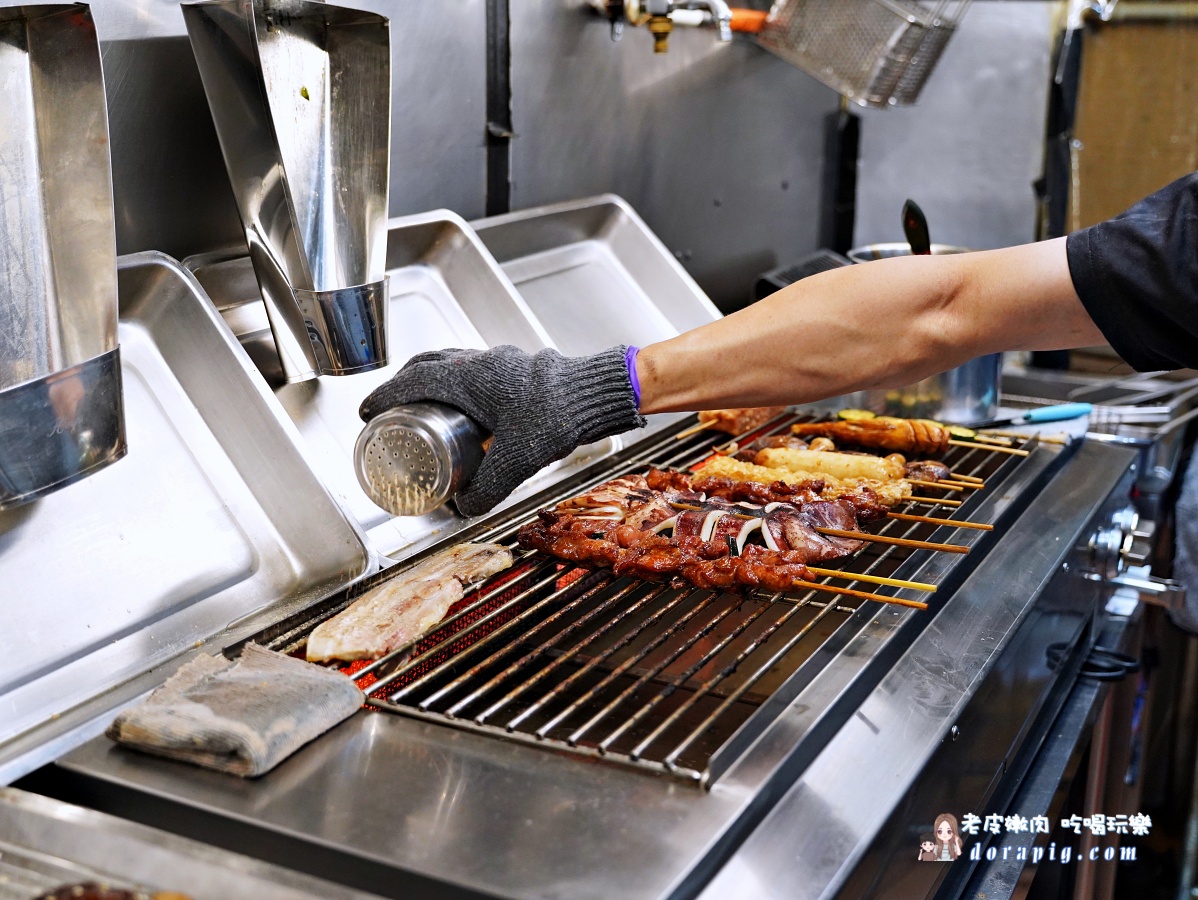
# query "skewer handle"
(874, 579)
(932, 520)
(935, 501)
(694, 429)
(864, 595)
(974, 445)
(947, 485)
(898, 542)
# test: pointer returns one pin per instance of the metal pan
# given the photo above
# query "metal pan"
(445, 291)
(47, 844)
(213, 516)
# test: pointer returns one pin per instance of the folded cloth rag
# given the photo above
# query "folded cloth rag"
(244, 717)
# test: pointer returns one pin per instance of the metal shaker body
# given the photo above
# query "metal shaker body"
(413, 458)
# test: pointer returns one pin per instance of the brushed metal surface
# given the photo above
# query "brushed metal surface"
(299, 92)
(161, 125)
(60, 428)
(594, 275)
(446, 291)
(57, 246)
(402, 804)
(718, 146)
(45, 844)
(213, 515)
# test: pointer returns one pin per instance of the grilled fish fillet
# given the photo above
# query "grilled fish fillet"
(405, 607)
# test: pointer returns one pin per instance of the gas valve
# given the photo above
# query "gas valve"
(1122, 544)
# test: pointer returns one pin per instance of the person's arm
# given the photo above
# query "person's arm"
(882, 324)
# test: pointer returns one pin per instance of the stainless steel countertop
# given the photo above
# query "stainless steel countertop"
(392, 803)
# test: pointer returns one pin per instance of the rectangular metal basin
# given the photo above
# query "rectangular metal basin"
(46, 844)
(213, 515)
(446, 291)
(594, 275)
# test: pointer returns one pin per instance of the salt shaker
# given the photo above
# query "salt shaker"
(411, 459)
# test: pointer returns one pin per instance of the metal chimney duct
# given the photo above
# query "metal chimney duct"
(61, 415)
(300, 92)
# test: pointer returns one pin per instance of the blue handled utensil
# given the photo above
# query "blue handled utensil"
(1057, 413)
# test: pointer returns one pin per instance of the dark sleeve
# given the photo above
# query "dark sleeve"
(1137, 276)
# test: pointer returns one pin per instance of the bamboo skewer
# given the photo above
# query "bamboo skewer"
(935, 501)
(865, 595)
(991, 447)
(887, 539)
(948, 485)
(973, 478)
(694, 429)
(931, 520)
(874, 579)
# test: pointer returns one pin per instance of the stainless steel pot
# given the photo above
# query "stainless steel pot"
(968, 393)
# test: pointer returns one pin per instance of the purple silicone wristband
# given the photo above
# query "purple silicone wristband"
(630, 362)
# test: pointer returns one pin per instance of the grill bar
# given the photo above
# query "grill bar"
(672, 757)
(615, 673)
(588, 667)
(645, 674)
(568, 656)
(644, 679)
(545, 646)
(680, 680)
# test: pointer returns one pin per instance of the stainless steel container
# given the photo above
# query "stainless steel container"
(60, 377)
(300, 93)
(968, 393)
(412, 459)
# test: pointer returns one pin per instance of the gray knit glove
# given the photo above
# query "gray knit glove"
(538, 406)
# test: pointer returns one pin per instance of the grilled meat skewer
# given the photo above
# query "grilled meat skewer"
(902, 435)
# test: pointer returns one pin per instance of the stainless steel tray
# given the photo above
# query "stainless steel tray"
(446, 291)
(213, 515)
(594, 275)
(46, 844)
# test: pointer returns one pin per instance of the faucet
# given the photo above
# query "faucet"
(660, 17)
(721, 14)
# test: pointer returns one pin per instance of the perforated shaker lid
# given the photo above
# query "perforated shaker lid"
(403, 463)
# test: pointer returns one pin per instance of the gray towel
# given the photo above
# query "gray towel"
(1185, 546)
(244, 717)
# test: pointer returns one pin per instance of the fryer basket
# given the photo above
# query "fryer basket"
(876, 53)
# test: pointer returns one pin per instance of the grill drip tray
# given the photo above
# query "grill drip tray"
(672, 680)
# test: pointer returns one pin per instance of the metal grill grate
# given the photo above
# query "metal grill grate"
(640, 673)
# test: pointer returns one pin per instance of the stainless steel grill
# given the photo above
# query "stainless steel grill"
(669, 679)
